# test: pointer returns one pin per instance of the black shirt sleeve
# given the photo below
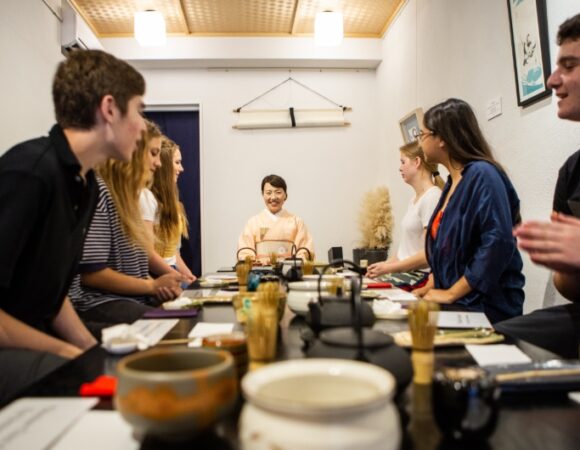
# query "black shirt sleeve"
(560, 195)
(568, 184)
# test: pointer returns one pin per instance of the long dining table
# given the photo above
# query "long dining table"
(527, 421)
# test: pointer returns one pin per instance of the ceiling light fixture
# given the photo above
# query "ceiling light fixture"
(328, 28)
(149, 28)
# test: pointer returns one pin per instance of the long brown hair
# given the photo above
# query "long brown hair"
(455, 123)
(413, 150)
(125, 181)
(172, 221)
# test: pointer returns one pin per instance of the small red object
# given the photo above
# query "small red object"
(379, 286)
(103, 386)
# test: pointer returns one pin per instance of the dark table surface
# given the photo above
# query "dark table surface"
(527, 421)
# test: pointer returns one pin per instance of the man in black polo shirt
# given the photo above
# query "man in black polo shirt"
(48, 194)
(556, 244)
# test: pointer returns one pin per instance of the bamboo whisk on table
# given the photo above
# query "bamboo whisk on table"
(263, 323)
(423, 326)
(273, 259)
(242, 271)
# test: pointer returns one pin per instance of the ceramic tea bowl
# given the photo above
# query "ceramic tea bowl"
(175, 392)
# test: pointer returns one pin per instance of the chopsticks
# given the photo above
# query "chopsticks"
(513, 376)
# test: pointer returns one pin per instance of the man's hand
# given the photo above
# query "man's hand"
(555, 244)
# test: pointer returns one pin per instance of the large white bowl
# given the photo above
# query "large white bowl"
(318, 404)
(300, 293)
(298, 301)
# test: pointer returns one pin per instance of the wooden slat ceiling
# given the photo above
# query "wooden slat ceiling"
(362, 18)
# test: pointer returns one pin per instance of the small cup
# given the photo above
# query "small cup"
(465, 403)
(235, 344)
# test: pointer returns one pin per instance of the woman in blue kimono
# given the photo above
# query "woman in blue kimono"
(473, 255)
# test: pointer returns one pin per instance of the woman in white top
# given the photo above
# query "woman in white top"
(410, 259)
(163, 213)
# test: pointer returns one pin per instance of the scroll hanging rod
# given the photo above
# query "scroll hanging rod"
(290, 79)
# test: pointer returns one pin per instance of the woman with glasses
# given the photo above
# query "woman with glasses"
(408, 269)
(470, 248)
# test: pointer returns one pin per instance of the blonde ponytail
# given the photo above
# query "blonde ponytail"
(414, 150)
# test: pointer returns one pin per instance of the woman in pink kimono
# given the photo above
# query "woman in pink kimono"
(274, 230)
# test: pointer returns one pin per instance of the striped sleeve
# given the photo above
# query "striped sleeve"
(97, 246)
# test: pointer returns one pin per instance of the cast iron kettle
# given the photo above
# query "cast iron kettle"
(363, 343)
(291, 268)
(332, 312)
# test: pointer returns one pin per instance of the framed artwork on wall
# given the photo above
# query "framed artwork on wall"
(530, 49)
(411, 125)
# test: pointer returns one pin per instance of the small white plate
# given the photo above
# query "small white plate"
(121, 348)
(212, 283)
(316, 277)
(308, 285)
(396, 315)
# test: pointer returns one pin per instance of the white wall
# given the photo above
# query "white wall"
(30, 51)
(327, 169)
(453, 48)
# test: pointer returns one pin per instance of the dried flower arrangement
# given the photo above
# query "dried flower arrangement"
(376, 219)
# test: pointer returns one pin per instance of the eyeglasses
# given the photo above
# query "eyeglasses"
(420, 134)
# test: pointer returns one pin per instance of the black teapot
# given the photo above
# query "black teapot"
(336, 311)
(359, 342)
(291, 268)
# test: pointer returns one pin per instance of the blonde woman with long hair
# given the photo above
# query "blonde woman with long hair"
(162, 211)
(409, 267)
(114, 285)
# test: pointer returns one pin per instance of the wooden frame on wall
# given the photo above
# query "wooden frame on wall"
(530, 49)
(411, 124)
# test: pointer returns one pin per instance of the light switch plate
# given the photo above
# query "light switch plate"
(493, 108)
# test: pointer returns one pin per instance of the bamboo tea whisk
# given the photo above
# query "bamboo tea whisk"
(242, 271)
(423, 326)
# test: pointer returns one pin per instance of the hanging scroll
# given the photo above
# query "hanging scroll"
(248, 119)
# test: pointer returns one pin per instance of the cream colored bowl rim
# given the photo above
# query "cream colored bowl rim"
(310, 285)
(162, 375)
(380, 378)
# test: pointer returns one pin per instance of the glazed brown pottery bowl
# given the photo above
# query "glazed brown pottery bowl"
(175, 392)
